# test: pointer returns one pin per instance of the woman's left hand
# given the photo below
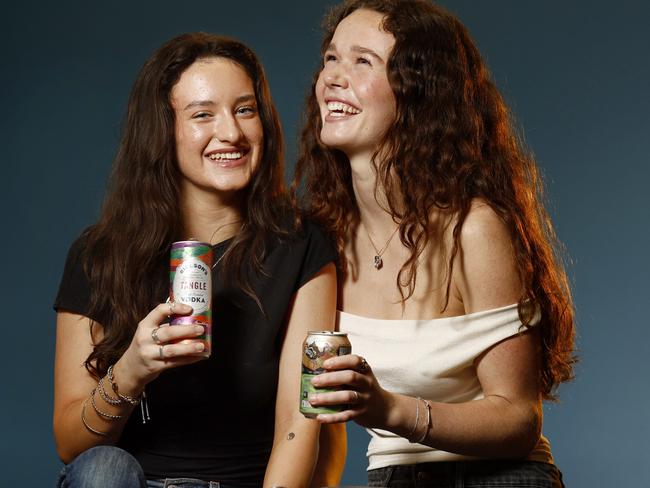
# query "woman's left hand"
(363, 400)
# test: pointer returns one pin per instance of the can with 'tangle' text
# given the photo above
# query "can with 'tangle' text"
(190, 282)
(317, 348)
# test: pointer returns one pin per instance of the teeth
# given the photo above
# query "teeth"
(225, 156)
(342, 107)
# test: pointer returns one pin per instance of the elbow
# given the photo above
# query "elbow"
(65, 455)
(65, 449)
(528, 432)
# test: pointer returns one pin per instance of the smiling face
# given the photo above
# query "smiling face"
(356, 102)
(219, 134)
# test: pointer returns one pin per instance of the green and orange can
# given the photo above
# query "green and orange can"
(317, 348)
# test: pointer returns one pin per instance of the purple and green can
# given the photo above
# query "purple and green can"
(317, 348)
(190, 282)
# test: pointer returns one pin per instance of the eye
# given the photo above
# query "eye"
(201, 115)
(246, 110)
(329, 57)
(362, 60)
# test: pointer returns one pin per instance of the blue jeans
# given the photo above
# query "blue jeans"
(111, 467)
(468, 474)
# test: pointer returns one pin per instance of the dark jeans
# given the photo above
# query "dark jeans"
(111, 467)
(468, 474)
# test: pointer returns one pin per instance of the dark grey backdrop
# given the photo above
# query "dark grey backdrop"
(576, 74)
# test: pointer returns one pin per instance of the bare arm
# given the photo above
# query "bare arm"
(295, 445)
(507, 422)
(139, 365)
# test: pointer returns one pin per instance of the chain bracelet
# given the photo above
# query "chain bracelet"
(98, 411)
(126, 398)
(105, 396)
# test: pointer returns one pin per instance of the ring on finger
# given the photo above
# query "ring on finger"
(356, 396)
(161, 351)
(154, 335)
(364, 365)
(172, 306)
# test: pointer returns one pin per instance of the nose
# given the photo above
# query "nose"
(227, 129)
(334, 76)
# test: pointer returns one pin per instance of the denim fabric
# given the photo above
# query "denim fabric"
(468, 474)
(102, 467)
(184, 483)
(111, 467)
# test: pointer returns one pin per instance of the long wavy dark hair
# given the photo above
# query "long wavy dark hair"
(141, 215)
(452, 141)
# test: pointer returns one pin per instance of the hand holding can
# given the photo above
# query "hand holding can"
(317, 348)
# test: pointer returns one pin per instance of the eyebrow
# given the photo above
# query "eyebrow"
(358, 49)
(209, 103)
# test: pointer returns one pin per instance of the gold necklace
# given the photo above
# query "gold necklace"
(377, 261)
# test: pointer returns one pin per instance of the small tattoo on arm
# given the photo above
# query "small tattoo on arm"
(290, 436)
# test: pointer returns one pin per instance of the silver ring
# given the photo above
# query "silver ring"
(356, 396)
(161, 352)
(172, 306)
(154, 335)
(364, 365)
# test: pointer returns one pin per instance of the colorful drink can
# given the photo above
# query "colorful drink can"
(318, 347)
(190, 282)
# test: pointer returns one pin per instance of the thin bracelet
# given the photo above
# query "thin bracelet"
(417, 420)
(126, 398)
(105, 396)
(83, 420)
(98, 411)
(428, 426)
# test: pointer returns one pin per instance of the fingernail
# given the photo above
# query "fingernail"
(199, 346)
(327, 363)
(312, 399)
(315, 381)
(199, 329)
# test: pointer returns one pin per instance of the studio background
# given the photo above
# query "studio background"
(575, 73)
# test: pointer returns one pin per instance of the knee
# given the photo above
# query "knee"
(103, 466)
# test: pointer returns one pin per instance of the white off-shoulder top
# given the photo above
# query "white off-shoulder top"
(432, 359)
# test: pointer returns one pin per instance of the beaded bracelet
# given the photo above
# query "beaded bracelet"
(126, 398)
(83, 420)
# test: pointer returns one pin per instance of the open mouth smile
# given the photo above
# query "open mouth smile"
(227, 158)
(337, 108)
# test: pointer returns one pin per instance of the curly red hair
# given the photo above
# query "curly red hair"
(452, 142)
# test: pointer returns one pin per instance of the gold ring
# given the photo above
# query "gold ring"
(356, 396)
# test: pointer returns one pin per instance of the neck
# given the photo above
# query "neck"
(373, 208)
(209, 217)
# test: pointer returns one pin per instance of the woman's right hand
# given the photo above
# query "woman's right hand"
(155, 348)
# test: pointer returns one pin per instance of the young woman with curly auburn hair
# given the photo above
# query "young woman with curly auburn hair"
(452, 289)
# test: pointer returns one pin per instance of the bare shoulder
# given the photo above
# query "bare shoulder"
(483, 225)
(486, 272)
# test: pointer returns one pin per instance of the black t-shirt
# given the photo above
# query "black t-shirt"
(214, 419)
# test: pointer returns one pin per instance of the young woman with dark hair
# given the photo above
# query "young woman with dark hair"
(452, 289)
(201, 157)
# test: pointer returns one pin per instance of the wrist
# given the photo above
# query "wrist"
(400, 416)
(127, 383)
